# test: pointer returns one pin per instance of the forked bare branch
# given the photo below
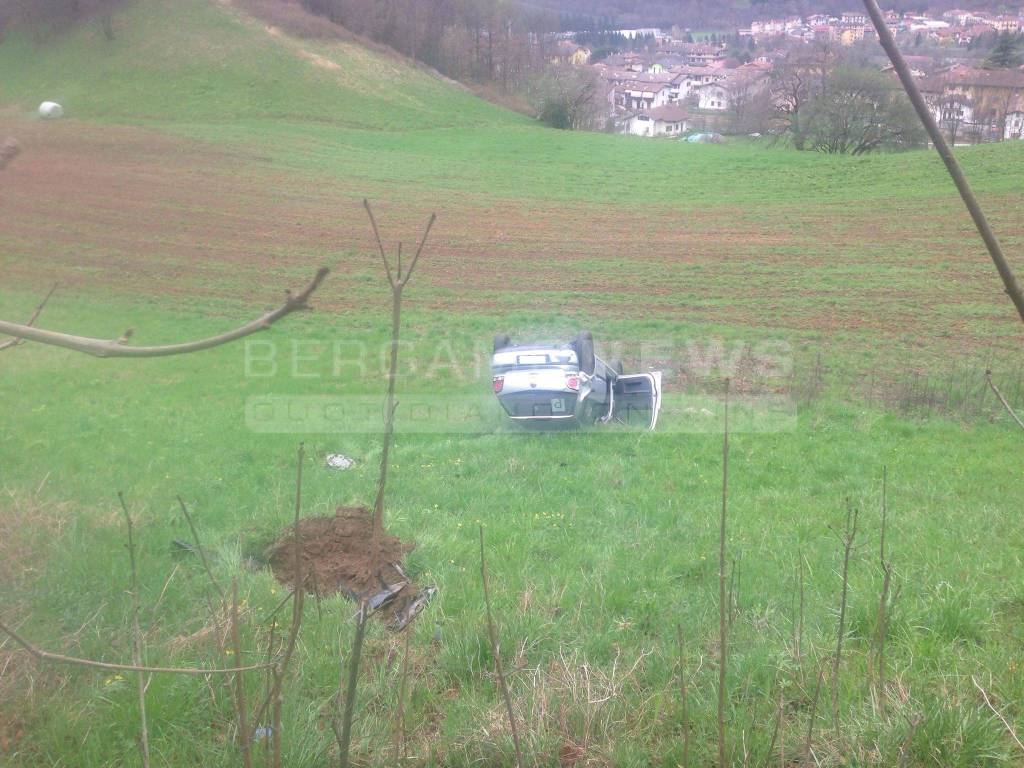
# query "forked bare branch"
(31, 321)
(398, 280)
(119, 347)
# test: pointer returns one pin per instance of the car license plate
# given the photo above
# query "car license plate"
(558, 405)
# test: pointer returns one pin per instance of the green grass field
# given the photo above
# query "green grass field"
(207, 164)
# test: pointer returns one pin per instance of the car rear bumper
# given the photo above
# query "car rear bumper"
(540, 405)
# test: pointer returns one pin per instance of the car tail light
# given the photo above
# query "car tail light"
(572, 382)
(498, 382)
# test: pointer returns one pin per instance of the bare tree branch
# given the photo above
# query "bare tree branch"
(1006, 405)
(118, 348)
(202, 556)
(244, 737)
(59, 657)
(380, 245)
(419, 249)
(31, 321)
(397, 281)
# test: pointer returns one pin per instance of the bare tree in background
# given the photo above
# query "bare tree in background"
(859, 112)
(794, 81)
(951, 114)
(568, 98)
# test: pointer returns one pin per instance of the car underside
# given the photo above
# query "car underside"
(569, 384)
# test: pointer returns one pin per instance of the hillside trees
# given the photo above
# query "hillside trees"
(750, 107)
(1006, 54)
(796, 81)
(568, 98)
(860, 111)
(485, 41)
(57, 14)
(792, 86)
(840, 105)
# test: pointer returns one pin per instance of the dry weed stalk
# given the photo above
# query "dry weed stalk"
(777, 733)
(723, 638)
(883, 599)
(241, 713)
(571, 683)
(847, 538)
(343, 734)
(798, 610)
(813, 714)
(683, 703)
(912, 725)
(492, 634)
(401, 735)
(276, 697)
(137, 638)
(1002, 718)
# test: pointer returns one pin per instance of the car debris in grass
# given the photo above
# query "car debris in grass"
(339, 461)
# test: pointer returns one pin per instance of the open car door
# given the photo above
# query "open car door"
(637, 398)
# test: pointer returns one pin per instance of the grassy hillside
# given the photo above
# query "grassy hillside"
(207, 164)
(197, 60)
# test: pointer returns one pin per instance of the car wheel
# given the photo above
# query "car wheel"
(616, 365)
(501, 341)
(585, 350)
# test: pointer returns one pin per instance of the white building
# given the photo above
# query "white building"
(669, 120)
(738, 86)
(688, 79)
(1014, 126)
(642, 95)
(713, 96)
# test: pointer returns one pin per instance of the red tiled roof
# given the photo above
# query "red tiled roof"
(970, 76)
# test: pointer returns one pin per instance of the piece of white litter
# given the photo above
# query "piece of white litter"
(51, 110)
(339, 461)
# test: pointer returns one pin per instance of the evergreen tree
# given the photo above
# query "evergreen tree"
(1006, 54)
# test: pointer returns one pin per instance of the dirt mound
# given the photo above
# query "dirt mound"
(338, 555)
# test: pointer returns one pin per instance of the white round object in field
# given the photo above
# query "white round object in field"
(339, 461)
(51, 110)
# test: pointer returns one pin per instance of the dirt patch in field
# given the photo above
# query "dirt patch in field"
(340, 555)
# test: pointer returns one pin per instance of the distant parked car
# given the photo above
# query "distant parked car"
(568, 383)
(705, 138)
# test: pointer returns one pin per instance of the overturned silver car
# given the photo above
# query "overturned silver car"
(568, 383)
